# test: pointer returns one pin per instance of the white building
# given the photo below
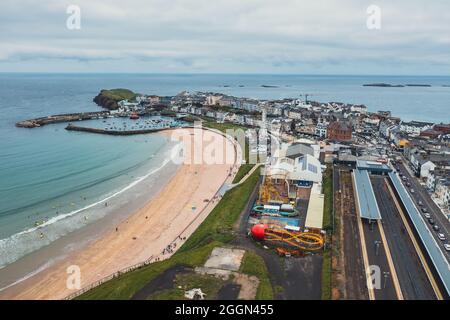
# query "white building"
(414, 128)
(425, 169)
(321, 130)
(212, 100)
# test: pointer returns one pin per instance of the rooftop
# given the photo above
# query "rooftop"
(367, 203)
(314, 215)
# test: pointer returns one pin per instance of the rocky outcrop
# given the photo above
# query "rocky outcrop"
(105, 102)
(109, 99)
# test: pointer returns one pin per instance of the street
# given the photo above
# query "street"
(411, 275)
(420, 194)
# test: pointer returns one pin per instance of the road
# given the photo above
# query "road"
(420, 194)
(411, 275)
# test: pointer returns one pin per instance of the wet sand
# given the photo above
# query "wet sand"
(174, 213)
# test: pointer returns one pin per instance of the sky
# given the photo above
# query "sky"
(227, 36)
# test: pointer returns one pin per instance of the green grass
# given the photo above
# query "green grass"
(328, 204)
(222, 126)
(119, 94)
(253, 264)
(328, 226)
(216, 230)
(326, 276)
(219, 223)
(125, 286)
(243, 170)
(209, 284)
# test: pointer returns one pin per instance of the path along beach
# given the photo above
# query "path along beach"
(170, 217)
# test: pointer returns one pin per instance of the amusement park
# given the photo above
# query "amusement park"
(287, 215)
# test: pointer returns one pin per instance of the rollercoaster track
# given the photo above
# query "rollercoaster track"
(300, 240)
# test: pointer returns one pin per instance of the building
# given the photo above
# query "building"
(321, 129)
(444, 128)
(339, 131)
(414, 128)
(212, 100)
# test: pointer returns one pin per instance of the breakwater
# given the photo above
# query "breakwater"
(72, 127)
(68, 117)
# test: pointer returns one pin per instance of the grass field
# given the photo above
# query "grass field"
(253, 264)
(119, 94)
(216, 230)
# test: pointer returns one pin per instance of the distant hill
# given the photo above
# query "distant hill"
(109, 98)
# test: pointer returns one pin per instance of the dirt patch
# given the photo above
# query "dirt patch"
(249, 286)
(225, 258)
(164, 281)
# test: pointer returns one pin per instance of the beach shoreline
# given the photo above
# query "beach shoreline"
(169, 217)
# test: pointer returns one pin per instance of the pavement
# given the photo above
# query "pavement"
(377, 257)
(411, 275)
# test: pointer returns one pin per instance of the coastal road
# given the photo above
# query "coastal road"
(420, 194)
(411, 275)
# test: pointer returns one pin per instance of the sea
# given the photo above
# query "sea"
(56, 184)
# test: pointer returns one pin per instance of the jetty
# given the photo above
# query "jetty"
(67, 117)
(72, 127)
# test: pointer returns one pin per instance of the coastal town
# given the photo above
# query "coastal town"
(355, 132)
(326, 174)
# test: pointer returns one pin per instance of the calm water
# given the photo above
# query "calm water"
(51, 176)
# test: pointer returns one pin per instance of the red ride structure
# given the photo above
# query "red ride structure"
(307, 241)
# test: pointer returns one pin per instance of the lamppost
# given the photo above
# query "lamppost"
(377, 246)
(386, 275)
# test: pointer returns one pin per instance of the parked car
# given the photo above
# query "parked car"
(436, 227)
(441, 236)
(420, 203)
(412, 190)
(427, 215)
(424, 210)
(447, 246)
(431, 221)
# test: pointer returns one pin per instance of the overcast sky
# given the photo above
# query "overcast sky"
(226, 36)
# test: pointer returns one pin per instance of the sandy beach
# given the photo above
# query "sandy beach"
(172, 214)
